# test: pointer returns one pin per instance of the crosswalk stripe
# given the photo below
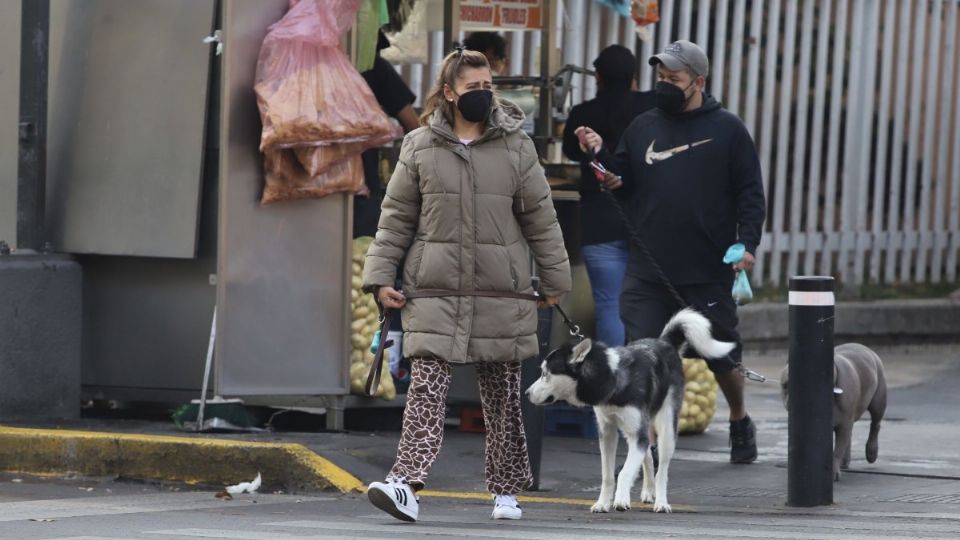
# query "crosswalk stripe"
(550, 531)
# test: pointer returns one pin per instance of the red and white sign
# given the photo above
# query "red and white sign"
(500, 14)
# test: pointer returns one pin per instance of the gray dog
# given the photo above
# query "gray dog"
(859, 386)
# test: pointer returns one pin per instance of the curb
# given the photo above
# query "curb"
(289, 467)
(882, 319)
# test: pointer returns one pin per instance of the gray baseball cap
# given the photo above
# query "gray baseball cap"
(683, 54)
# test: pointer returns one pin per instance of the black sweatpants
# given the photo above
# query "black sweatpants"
(646, 307)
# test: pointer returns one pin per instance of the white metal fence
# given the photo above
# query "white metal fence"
(855, 109)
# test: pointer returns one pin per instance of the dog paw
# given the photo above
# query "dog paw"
(600, 507)
(662, 507)
(647, 495)
(621, 503)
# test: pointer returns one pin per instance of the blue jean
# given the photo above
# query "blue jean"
(606, 265)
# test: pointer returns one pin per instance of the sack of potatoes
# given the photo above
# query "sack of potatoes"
(364, 317)
(699, 396)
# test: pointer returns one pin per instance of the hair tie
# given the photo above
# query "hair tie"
(460, 49)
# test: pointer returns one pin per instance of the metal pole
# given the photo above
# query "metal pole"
(544, 123)
(32, 157)
(810, 407)
(451, 24)
(206, 370)
(533, 415)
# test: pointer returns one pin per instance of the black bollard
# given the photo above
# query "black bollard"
(810, 408)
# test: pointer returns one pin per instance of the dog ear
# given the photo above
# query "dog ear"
(580, 351)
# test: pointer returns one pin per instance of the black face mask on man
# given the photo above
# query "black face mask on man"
(671, 99)
(475, 105)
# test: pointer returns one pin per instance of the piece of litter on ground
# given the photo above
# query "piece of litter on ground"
(44, 520)
(224, 495)
(17, 480)
(245, 487)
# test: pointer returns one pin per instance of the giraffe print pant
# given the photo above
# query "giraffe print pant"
(507, 464)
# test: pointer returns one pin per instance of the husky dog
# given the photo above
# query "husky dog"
(628, 387)
(859, 385)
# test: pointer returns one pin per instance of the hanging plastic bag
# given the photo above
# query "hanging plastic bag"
(308, 92)
(287, 180)
(319, 159)
(742, 292)
(644, 13)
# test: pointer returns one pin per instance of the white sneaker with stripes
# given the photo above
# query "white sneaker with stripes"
(395, 498)
(506, 507)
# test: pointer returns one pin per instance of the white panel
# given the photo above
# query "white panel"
(883, 116)
(766, 121)
(533, 60)
(946, 112)
(736, 56)
(646, 70)
(913, 139)
(665, 26)
(866, 136)
(416, 82)
(824, 32)
(853, 140)
(718, 54)
(783, 137)
(894, 223)
(574, 38)
(703, 26)
(516, 52)
(593, 49)
(436, 55)
(753, 70)
(954, 244)
(833, 137)
(930, 119)
(800, 135)
(611, 29)
(686, 19)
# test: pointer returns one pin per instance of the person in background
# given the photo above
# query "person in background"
(493, 46)
(603, 237)
(396, 99)
(466, 205)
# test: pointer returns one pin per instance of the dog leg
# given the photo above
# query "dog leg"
(636, 450)
(608, 466)
(843, 434)
(877, 407)
(666, 425)
(648, 491)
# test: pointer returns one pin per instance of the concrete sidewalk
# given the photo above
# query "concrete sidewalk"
(918, 472)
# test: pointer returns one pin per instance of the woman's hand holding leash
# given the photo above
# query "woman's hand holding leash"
(391, 298)
(547, 302)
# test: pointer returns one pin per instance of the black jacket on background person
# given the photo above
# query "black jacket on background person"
(608, 114)
(692, 184)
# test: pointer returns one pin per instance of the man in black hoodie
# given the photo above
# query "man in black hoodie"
(691, 182)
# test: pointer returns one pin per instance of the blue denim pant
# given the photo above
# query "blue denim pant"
(606, 265)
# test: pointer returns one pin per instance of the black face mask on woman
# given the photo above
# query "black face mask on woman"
(671, 99)
(475, 105)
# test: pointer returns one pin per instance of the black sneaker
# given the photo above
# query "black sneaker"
(743, 441)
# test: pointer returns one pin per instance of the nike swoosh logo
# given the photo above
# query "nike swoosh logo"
(656, 157)
(711, 304)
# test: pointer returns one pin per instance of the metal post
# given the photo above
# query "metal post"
(32, 158)
(544, 123)
(451, 24)
(534, 415)
(810, 407)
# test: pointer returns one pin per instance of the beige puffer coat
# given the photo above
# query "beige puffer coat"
(461, 217)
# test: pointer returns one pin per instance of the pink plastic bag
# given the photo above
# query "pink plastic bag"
(308, 92)
(287, 180)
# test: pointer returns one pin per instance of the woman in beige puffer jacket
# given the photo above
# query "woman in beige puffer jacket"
(466, 207)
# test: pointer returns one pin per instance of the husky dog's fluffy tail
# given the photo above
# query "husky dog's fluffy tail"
(693, 328)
